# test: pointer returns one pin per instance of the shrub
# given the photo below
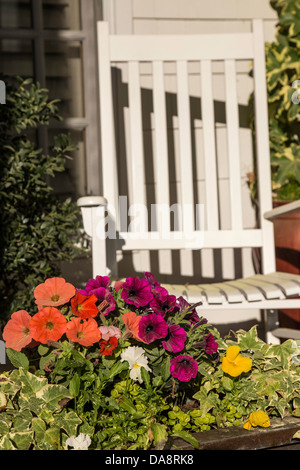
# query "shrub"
(283, 71)
(282, 80)
(37, 228)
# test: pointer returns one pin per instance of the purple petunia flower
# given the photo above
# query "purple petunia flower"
(152, 327)
(209, 344)
(98, 281)
(136, 292)
(175, 340)
(184, 368)
(157, 290)
(192, 314)
(163, 305)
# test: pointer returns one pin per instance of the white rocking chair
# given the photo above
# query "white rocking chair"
(267, 291)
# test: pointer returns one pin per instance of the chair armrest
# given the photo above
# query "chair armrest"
(289, 208)
(91, 201)
(86, 204)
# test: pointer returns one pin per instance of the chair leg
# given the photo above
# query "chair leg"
(271, 323)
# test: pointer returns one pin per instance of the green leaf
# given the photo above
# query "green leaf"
(186, 436)
(249, 340)
(39, 428)
(165, 369)
(51, 395)
(288, 164)
(146, 377)
(17, 358)
(52, 437)
(117, 368)
(160, 435)
(227, 383)
(22, 440)
(43, 350)
(46, 359)
(74, 385)
(125, 403)
(4, 427)
(69, 421)
(31, 383)
(6, 444)
(158, 381)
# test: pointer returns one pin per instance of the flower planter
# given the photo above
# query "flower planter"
(279, 436)
(147, 374)
(287, 245)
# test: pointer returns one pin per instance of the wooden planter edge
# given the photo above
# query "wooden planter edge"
(279, 434)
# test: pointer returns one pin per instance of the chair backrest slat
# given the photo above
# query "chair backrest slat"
(208, 124)
(232, 120)
(161, 142)
(108, 149)
(185, 146)
(136, 135)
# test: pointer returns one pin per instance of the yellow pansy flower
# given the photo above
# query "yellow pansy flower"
(257, 418)
(234, 363)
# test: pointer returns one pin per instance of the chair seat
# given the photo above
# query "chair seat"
(258, 291)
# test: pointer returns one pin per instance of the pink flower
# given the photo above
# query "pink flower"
(191, 313)
(109, 331)
(184, 368)
(98, 281)
(118, 285)
(210, 345)
(152, 327)
(164, 304)
(136, 292)
(157, 290)
(175, 340)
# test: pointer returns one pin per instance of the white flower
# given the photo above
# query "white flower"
(136, 358)
(81, 442)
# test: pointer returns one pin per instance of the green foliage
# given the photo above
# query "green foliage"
(38, 229)
(73, 391)
(271, 386)
(34, 417)
(283, 90)
(283, 72)
(130, 396)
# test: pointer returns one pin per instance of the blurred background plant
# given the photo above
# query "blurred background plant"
(283, 89)
(39, 230)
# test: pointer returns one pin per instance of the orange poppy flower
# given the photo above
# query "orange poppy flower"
(53, 292)
(16, 332)
(132, 320)
(84, 332)
(48, 325)
(107, 347)
(84, 306)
